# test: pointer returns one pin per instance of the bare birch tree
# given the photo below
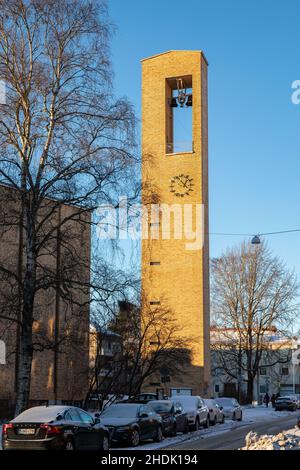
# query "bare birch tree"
(65, 141)
(252, 293)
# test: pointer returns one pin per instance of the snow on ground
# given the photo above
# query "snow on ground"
(262, 413)
(286, 440)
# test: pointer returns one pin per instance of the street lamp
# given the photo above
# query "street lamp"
(256, 240)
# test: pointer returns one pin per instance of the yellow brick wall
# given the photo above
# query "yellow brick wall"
(182, 278)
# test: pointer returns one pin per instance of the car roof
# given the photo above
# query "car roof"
(126, 404)
(41, 413)
(185, 397)
(225, 398)
(145, 394)
(170, 402)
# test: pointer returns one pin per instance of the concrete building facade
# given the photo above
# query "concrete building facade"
(279, 370)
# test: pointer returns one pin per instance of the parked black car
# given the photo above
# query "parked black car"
(132, 423)
(286, 403)
(174, 418)
(55, 428)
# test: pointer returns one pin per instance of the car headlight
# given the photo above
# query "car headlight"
(123, 428)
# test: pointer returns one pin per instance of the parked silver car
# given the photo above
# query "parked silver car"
(216, 415)
(296, 398)
(196, 409)
(288, 403)
(231, 408)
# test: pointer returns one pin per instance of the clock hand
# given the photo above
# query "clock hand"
(184, 184)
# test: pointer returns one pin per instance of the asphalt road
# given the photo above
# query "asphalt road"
(235, 438)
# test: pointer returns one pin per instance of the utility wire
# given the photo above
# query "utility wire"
(251, 234)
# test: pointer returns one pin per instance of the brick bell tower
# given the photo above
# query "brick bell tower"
(175, 163)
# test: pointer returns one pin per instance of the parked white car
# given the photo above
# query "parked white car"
(196, 409)
(216, 415)
(231, 408)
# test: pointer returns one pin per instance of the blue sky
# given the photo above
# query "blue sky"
(254, 129)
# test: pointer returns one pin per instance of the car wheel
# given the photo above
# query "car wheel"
(158, 435)
(174, 430)
(186, 427)
(223, 419)
(105, 443)
(134, 438)
(69, 445)
(241, 417)
(196, 425)
(206, 424)
(233, 417)
(214, 421)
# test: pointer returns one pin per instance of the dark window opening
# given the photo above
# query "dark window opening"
(179, 115)
(154, 263)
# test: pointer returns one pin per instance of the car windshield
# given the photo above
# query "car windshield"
(160, 407)
(120, 411)
(224, 401)
(188, 402)
(209, 403)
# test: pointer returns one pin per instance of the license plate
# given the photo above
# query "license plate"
(26, 431)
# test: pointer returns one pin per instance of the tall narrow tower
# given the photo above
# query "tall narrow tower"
(175, 166)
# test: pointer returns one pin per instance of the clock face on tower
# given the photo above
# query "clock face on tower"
(181, 185)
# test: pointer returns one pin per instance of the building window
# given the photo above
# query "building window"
(154, 263)
(217, 388)
(154, 224)
(155, 302)
(262, 389)
(263, 371)
(284, 371)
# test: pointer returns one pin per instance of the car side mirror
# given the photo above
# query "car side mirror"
(177, 412)
(97, 415)
(59, 418)
(144, 415)
(221, 408)
(97, 420)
